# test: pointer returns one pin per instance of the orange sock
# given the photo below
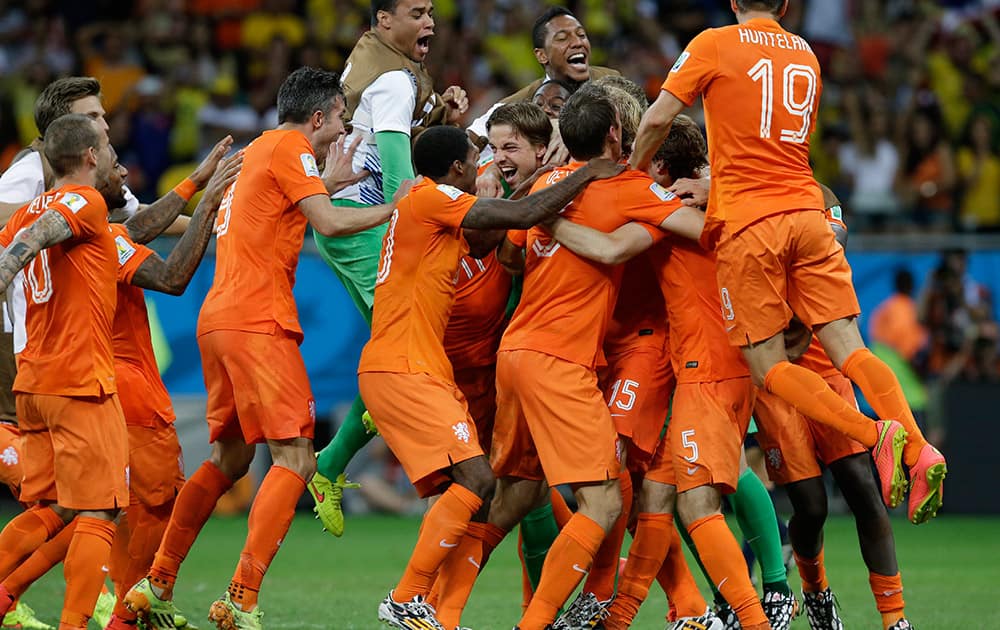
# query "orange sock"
(51, 553)
(649, 549)
(601, 579)
(813, 573)
(810, 394)
(724, 562)
(888, 592)
(192, 507)
(560, 510)
(567, 562)
(443, 528)
(144, 527)
(24, 534)
(884, 393)
(677, 582)
(458, 574)
(84, 569)
(270, 517)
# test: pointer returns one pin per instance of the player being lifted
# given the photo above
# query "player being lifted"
(776, 254)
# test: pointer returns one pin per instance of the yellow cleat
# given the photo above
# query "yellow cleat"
(328, 496)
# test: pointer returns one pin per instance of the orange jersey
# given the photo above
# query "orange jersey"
(477, 316)
(761, 86)
(640, 317)
(567, 300)
(699, 349)
(70, 291)
(260, 231)
(415, 284)
(133, 344)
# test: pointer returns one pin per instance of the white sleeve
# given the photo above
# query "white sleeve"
(391, 99)
(23, 181)
(478, 125)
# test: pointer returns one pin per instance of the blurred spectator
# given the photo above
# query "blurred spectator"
(870, 161)
(109, 57)
(149, 146)
(928, 180)
(895, 322)
(979, 174)
(222, 115)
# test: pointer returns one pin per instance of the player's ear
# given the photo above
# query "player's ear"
(541, 56)
(384, 19)
(317, 119)
(732, 5)
(784, 7)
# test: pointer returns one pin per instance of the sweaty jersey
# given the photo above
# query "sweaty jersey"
(71, 297)
(567, 300)
(133, 345)
(699, 348)
(415, 284)
(478, 314)
(640, 317)
(259, 237)
(761, 87)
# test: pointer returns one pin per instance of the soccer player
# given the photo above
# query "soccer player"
(404, 373)
(793, 449)
(258, 390)
(776, 254)
(389, 94)
(74, 439)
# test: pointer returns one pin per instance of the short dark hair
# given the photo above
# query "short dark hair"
(903, 281)
(585, 120)
(58, 97)
(437, 149)
(382, 5)
(772, 6)
(684, 152)
(527, 119)
(67, 139)
(538, 31)
(306, 91)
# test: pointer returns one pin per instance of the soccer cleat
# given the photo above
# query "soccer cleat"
(888, 456)
(227, 616)
(821, 610)
(104, 607)
(927, 485)
(902, 624)
(23, 618)
(779, 608)
(117, 623)
(708, 621)
(726, 614)
(328, 495)
(586, 611)
(369, 424)
(156, 613)
(415, 614)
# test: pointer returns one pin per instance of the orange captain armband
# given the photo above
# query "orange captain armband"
(186, 189)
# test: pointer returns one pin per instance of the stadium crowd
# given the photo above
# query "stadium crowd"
(909, 129)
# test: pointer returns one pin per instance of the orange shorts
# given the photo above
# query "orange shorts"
(11, 470)
(257, 387)
(156, 464)
(793, 446)
(425, 421)
(479, 386)
(783, 264)
(75, 451)
(552, 422)
(142, 403)
(707, 424)
(638, 386)
(661, 466)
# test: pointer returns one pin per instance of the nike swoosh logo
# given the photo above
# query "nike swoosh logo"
(577, 567)
(692, 470)
(730, 328)
(319, 495)
(104, 568)
(444, 543)
(473, 562)
(719, 586)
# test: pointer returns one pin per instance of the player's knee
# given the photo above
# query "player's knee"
(600, 503)
(476, 476)
(698, 503)
(810, 511)
(230, 464)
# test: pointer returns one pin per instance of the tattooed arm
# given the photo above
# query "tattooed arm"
(50, 228)
(150, 221)
(172, 275)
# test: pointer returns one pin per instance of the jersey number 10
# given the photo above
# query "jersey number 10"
(793, 73)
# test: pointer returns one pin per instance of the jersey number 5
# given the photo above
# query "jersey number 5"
(792, 76)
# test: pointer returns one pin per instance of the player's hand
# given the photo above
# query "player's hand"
(489, 183)
(225, 174)
(693, 192)
(404, 189)
(457, 102)
(208, 166)
(338, 171)
(797, 339)
(557, 154)
(603, 168)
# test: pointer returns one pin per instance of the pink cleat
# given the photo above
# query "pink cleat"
(927, 485)
(888, 456)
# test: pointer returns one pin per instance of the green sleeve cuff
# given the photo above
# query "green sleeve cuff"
(397, 163)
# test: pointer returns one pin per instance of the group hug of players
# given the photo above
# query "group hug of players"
(533, 335)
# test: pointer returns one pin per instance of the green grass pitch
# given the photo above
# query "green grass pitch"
(950, 573)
